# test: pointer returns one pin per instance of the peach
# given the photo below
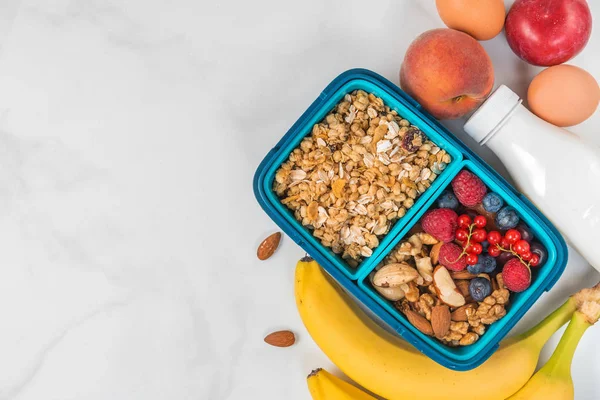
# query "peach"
(447, 72)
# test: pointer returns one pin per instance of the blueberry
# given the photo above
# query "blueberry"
(475, 269)
(480, 288)
(492, 202)
(537, 248)
(488, 263)
(507, 218)
(525, 231)
(447, 200)
(485, 245)
(485, 264)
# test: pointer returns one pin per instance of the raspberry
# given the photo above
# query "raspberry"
(516, 275)
(468, 188)
(440, 223)
(449, 257)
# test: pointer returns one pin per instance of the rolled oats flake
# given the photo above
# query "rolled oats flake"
(356, 174)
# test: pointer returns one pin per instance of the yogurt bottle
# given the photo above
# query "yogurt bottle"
(556, 169)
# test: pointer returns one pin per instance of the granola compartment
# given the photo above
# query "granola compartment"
(359, 173)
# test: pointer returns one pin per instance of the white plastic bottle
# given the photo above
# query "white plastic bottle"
(556, 169)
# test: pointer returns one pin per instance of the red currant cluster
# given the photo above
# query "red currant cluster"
(512, 243)
(470, 234)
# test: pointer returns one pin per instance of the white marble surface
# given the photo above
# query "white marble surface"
(129, 134)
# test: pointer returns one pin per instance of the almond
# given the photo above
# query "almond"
(440, 320)
(268, 246)
(460, 314)
(419, 322)
(435, 253)
(281, 339)
(464, 274)
(446, 289)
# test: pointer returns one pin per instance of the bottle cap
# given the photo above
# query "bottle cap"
(492, 114)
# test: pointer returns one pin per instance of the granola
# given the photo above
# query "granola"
(359, 171)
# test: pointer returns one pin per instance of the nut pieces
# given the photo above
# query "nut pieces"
(412, 291)
(468, 338)
(462, 275)
(435, 253)
(460, 314)
(425, 305)
(425, 268)
(446, 288)
(397, 273)
(390, 293)
(419, 322)
(463, 287)
(440, 320)
(394, 275)
(437, 301)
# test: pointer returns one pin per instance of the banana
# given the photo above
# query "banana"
(324, 386)
(387, 366)
(553, 380)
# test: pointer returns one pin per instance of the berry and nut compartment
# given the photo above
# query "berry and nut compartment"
(350, 183)
(467, 266)
(356, 172)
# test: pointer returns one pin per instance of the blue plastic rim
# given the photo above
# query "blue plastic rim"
(519, 302)
(354, 279)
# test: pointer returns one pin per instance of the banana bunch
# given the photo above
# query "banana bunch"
(387, 366)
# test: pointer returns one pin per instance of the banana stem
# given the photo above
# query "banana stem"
(560, 362)
(540, 333)
(314, 372)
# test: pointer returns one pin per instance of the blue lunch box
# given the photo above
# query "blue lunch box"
(355, 280)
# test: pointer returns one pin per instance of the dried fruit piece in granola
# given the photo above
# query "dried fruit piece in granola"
(413, 140)
(338, 187)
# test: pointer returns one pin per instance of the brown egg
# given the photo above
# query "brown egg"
(482, 19)
(563, 95)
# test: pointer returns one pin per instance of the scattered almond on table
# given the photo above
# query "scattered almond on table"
(281, 339)
(268, 246)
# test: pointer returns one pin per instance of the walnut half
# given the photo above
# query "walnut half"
(468, 339)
